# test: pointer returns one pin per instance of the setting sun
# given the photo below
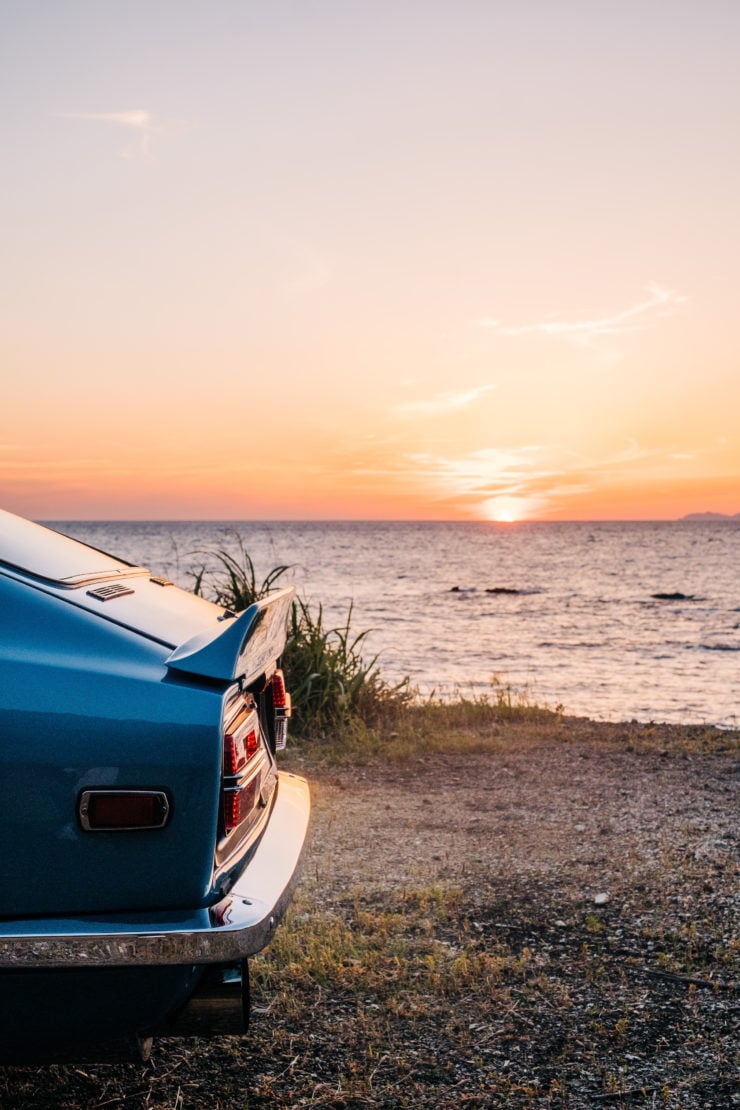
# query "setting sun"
(503, 510)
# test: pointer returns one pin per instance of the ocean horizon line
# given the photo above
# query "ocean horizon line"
(691, 518)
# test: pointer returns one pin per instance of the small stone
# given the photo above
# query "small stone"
(561, 924)
(601, 899)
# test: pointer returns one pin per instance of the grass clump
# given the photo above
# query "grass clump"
(332, 684)
(238, 586)
(330, 680)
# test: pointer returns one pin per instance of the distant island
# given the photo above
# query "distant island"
(711, 516)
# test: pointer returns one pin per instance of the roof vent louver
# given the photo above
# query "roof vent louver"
(107, 593)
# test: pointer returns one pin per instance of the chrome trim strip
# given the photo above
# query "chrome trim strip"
(240, 925)
(73, 582)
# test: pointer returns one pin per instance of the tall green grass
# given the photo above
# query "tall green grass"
(237, 586)
(331, 681)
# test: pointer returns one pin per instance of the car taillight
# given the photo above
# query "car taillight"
(282, 709)
(239, 747)
(240, 790)
(241, 742)
(279, 694)
(239, 803)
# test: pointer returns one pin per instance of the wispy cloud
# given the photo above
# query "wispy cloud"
(486, 470)
(498, 483)
(659, 302)
(138, 118)
(141, 125)
(443, 402)
(527, 481)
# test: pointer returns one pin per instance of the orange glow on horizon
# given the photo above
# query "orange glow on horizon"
(297, 492)
(376, 307)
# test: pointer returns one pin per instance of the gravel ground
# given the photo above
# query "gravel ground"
(550, 921)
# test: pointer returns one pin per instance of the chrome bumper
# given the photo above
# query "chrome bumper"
(237, 927)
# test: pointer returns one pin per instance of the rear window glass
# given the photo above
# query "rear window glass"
(46, 554)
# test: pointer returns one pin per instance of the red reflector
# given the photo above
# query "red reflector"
(120, 809)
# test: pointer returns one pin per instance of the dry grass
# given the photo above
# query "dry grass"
(517, 910)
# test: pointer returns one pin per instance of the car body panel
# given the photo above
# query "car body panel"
(103, 697)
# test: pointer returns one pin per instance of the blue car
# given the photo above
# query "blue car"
(149, 843)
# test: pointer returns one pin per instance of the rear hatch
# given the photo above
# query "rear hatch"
(94, 580)
(208, 640)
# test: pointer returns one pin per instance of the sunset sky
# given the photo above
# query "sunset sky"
(399, 259)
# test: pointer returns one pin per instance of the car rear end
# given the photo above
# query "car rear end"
(149, 843)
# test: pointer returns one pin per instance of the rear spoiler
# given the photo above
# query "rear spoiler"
(248, 645)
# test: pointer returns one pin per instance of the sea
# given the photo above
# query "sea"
(611, 620)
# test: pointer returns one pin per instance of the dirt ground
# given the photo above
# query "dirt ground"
(549, 921)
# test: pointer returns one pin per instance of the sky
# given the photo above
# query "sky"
(331, 259)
